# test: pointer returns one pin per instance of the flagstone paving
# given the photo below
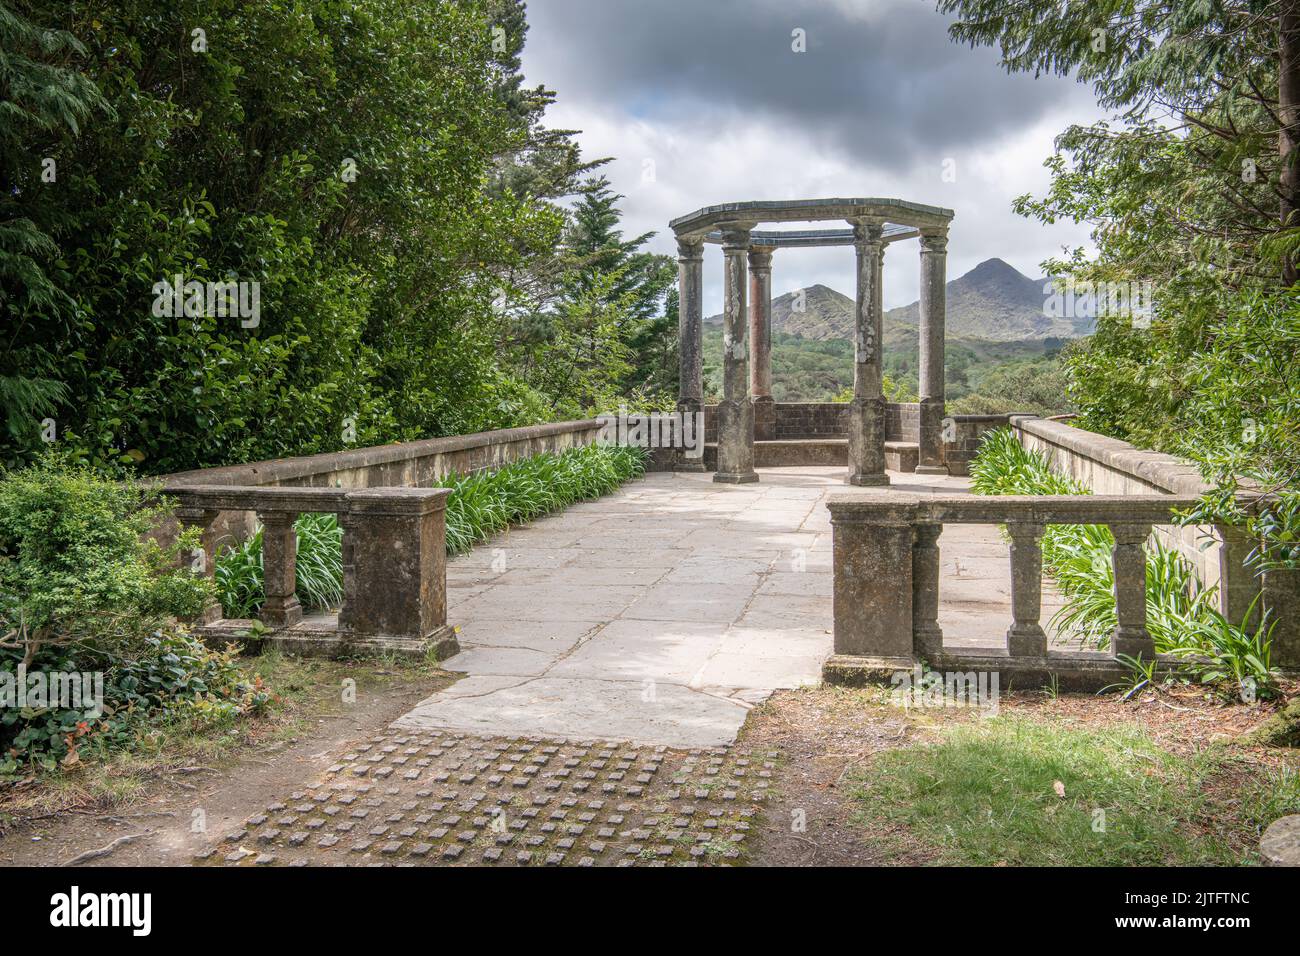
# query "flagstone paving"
(661, 614)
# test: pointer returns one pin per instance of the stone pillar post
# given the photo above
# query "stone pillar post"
(934, 256)
(866, 415)
(396, 551)
(927, 635)
(873, 586)
(279, 560)
(1026, 638)
(1130, 571)
(760, 341)
(690, 343)
(202, 561)
(735, 411)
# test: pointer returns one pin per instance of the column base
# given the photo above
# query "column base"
(927, 641)
(932, 470)
(736, 477)
(878, 480)
(854, 670)
(1130, 644)
(1027, 641)
(284, 614)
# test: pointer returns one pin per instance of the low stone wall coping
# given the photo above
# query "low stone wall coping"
(289, 469)
(996, 509)
(1173, 475)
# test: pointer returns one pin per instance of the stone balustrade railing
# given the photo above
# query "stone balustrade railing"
(887, 584)
(394, 566)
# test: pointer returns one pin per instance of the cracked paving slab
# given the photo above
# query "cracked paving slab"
(660, 614)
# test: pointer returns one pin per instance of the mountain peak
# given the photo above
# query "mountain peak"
(993, 302)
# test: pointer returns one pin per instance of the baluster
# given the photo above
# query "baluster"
(203, 560)
(279, 559)
(927, 636)
(1025, 637)
(1130, 568)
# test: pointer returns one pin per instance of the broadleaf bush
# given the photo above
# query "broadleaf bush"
(84, 588)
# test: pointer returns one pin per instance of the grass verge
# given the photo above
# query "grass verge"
(1016, 790)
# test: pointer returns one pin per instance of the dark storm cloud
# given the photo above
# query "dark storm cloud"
(880, 80)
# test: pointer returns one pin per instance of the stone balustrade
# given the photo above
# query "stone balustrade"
(394, 567)
(887, 584)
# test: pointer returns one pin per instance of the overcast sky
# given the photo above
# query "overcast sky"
(705, 101)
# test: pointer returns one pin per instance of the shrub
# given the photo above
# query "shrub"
(84, 589)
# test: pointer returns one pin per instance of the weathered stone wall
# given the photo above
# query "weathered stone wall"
(794, 420)
(417, 464)
(960, 441)
(1108, 466)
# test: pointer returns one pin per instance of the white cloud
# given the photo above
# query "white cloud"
(701, 151)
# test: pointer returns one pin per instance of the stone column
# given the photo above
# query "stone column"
(927, 636)
(396, 553)
(1026, 638)
(690, 344)
(934, 256)
(201, 561)
(735, 411)
(760, 341)
(1130, 570)
(279, 560)
(866, 415)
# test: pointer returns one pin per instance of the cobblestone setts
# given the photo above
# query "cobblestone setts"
(431, 798)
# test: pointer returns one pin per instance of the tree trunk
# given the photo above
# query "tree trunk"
(1289, 112)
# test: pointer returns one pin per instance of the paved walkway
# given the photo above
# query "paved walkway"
(662, 613)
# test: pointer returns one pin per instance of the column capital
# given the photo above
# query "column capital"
(934, 240)
(760, 257)
(868, 231)
(735, 236)
(690, 249)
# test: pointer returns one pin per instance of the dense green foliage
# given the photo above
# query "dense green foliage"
(480, 505)
(1193, 189)
(84, 590)
(377, 168)
(1182, 615)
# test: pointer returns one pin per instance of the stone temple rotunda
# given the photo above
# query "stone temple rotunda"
(750, 428)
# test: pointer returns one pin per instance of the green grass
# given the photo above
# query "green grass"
(480, 505)
(1182, 615)
(986, 795)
